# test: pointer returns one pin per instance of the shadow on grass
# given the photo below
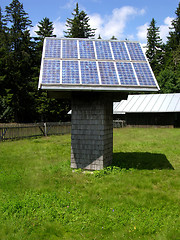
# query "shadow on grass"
(141, 160)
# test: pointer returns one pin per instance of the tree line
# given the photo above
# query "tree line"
(20, 59)
(165, 58)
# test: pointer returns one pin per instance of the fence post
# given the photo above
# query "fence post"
(45, 129)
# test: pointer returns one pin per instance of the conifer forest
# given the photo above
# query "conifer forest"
(20, 60)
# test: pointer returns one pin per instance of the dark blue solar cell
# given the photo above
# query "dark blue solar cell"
(126, 73)
(70, 72)
(69, 49)
(135, 51)
(51, 71)
(89, 73)
(119, 51)
(86, 49)
(144, 74)
(53, 48)
(108, 73)
(103, 50)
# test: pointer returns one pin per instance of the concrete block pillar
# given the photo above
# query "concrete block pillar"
(92, 130)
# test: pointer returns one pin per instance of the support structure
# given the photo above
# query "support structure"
(92, 130)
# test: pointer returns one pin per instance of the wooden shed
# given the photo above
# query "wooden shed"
(149, 109)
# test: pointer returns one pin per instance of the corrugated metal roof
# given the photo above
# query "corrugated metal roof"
(148, 103)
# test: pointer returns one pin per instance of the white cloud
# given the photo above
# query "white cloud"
(33, 29)
(117, 21)
(107, 26)
(114, 24)
(96, 22)
(70, 4)
(59, 28)
(142, 32)
(164, 29)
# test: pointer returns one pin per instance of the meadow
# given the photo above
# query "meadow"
(137, 197)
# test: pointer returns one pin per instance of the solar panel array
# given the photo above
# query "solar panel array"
(95, 63)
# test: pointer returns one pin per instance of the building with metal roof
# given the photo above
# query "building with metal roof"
(149, 109)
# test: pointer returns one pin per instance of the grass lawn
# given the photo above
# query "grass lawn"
(136, 198)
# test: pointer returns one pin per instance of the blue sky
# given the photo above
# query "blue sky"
(121, 18)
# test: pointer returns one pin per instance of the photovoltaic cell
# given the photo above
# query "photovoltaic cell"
(144, 74)
(103, 50)
(108, 73)
(53, 48)
(135, 51)
(126, 73)
(88, 63)
(119, 51)
(69, 49)
(89, 73)
(70, 72)
(51, 71)
(86, 49)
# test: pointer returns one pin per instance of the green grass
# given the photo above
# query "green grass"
(135, 198)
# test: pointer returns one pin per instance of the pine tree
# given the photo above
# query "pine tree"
(154, 51)
(45, 29)
(5, 96)
(19, 66)
(168, 81)
(173, 44)
(174, 38)
(3, 48)
(172, 58)
(20, 22)
(78, 26)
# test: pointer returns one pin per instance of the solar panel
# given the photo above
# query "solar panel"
(69, 49)
(51, 72)
(108, 73)
(119, 51)
(126, 73)
(89, 72)
(86, 49)
(98, 65)
(70, 72)
(135, 51)
(53, 48)
(144, 74)
(103, 50)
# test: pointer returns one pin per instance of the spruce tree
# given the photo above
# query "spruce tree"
(172, 57)
(174, 38)
(78, 26)
(19, 66)
(154, 51)
(5, 96)
(45, 29)
(3, 50)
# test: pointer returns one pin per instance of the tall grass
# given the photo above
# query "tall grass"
(135, 198)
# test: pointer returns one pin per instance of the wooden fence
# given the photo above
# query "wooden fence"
(17, 131)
